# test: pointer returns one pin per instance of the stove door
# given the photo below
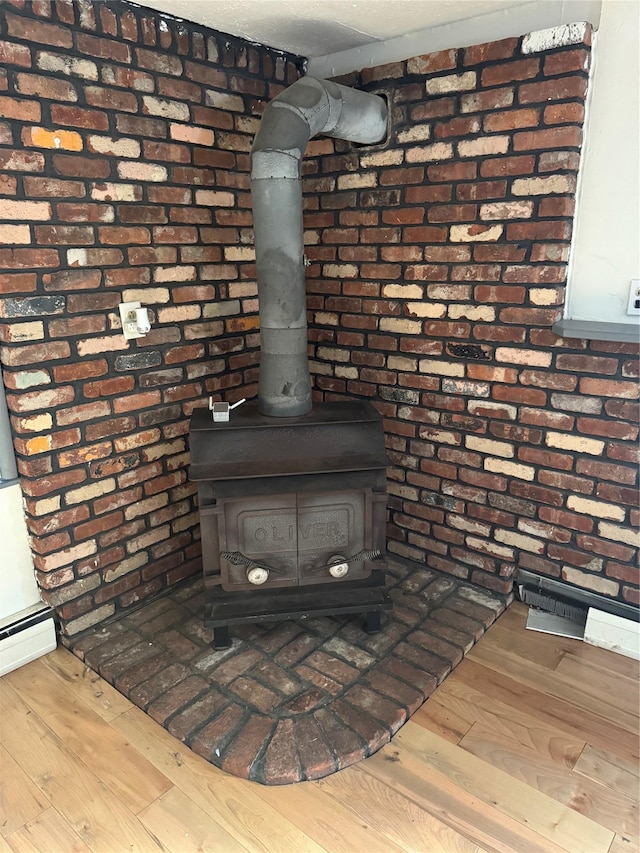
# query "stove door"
(331, 528)
(260, 533)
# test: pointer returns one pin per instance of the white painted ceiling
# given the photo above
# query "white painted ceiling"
(339, 36)
(313, 28)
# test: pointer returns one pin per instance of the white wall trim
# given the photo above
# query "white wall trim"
(17, 574)
(605, 256)
(26, 645)
(612, 632)
(505, 23)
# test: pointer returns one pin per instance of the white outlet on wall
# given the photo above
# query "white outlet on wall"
(633, 306)
(128, 318)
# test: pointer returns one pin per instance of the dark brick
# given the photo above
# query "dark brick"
(145, 667)
(176, 698)
(472, 610)
(296, 650)
(305, 701)
(316, 759)
(432, 664)
(281, 765)
(363, 709)
(96, 638)
(163, 620)
(408, 697)
(149, 612)
(324, 682)
(180, 646)
(236, 665)
(324, 663)
(276, 677)
(241, 754)
(118, 644)
(210, 740)
(412, 675)
(464, 624)
(195, 715)
(148, 690)
(254, 694)
(346, 745)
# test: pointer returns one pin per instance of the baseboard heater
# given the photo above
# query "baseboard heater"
(559, 608)
(25, 636)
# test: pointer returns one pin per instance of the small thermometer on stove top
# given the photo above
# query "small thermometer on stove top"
(220, 411)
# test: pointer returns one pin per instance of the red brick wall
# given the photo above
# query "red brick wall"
(439, 266)
(124, 142)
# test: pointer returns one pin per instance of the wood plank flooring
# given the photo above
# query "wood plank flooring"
(530, 745)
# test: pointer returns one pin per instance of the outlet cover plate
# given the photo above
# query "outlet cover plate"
(128, 318)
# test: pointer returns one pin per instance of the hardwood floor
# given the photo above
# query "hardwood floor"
(530, 745)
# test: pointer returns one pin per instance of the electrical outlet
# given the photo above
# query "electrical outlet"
(128, 317)
(633, 306)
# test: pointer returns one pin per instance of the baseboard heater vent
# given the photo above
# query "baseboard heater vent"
(575, 596)
(553, 604)
(558, 608)
(25, 636)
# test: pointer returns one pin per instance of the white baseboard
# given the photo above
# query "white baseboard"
(26, 645)
(613, 632)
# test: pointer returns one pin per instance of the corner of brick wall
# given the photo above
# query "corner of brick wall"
(438, 266)
(124, 140)
(439, 263)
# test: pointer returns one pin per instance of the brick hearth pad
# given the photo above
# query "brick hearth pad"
(291, 700)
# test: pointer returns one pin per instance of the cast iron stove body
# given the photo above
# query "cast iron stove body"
(292, 514)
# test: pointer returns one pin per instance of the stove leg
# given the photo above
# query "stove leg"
(372, 622)
(221, 638)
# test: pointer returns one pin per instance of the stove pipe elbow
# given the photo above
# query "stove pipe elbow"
(290, 120)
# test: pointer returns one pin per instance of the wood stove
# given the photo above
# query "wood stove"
(292, 514)
(292, 497)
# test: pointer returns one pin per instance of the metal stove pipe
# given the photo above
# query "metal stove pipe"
(308, 107)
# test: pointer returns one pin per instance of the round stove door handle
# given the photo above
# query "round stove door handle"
(257, 575)
(338, 566)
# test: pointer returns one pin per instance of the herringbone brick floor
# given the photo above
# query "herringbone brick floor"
(293, 700)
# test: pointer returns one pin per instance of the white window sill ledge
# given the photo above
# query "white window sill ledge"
(595, 330)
